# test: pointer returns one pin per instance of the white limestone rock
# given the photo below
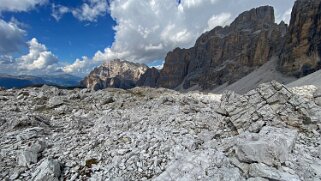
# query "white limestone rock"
(271, 173)
(48, 170)
(270, 146)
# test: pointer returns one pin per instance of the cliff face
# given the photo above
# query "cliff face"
(225, 55)
(149, 78)
(301, 54)
(175, 68)
(116, 74)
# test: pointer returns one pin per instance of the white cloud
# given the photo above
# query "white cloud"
(218, 20)
(81, 66)
(38, 58)
(286, 16)
(58, 11)
(20, 5)
(11, 37)
(6, 59)
(147, 30)
(90, 10)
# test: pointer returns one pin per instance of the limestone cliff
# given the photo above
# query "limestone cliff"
(301, 54)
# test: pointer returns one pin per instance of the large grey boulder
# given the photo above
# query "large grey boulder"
(271, 146)
(31, 154)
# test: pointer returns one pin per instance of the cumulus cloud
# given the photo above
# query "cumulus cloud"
(218, 20)
(147, 30)
(90, 10)
(38, 58)
(81, 66)
(11, 37)
(20, 5)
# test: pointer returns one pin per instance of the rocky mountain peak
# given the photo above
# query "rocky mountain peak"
(254, 17)
(116, 73)
(225, 54)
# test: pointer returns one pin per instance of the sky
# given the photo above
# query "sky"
(40, 37)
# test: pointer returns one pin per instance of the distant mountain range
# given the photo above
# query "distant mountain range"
(21, 81)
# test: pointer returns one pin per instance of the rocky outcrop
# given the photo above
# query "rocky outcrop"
(116, 74)
(302, 51)
(224, 55)
(176, 68)
(269, 133)
(149, 78)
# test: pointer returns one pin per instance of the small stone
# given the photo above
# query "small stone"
(26, 158)
(48, 170)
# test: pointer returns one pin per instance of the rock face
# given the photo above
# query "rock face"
(269, 133)
(116, 74)
(301, 54)
(149, 78)
(224, 55)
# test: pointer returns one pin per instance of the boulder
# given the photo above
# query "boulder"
(48, 170)
(271, 146)
(270, 173)
(31, 154)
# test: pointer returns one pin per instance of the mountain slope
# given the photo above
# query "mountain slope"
(311, 79)
(265, 73)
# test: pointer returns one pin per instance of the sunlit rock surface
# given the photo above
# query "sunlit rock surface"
(272, 132)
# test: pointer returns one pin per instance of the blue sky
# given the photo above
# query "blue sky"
(74, 36)
(68, 38)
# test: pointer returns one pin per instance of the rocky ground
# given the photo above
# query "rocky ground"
(270, 133)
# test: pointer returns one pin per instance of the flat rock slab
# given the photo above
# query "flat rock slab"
(270, 146)
(271, 173)
(48, 170)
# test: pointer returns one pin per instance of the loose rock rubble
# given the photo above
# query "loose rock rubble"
(270, 133)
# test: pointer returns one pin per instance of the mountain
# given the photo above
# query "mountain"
(116, 73)
(232, 57)
(21, 81)
(224, 55)
(302, 51)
